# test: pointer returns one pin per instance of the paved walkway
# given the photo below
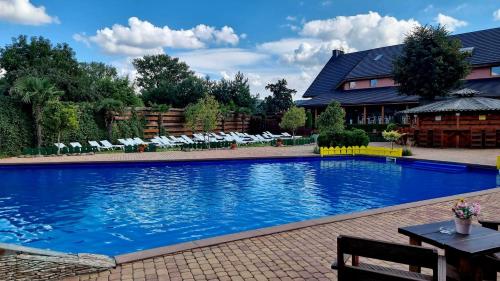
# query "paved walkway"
(244, 152)
(472, 156)
(302, 254)
(462, 155)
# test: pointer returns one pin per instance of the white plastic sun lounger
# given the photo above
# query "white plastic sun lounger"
(60, 145)
(262, 138)
(108, 145)
(96, 145)
(178, 141)
(187, 139)
(169, 141)
(140, 141)
(126, 142)
(75, 144)
(159, 142)
(238, 139)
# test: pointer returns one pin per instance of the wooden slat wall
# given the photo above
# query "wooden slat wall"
(469, 131)
(174, 123)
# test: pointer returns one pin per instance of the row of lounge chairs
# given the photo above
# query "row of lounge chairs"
(172, 141)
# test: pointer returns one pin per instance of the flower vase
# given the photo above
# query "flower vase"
(463, 226)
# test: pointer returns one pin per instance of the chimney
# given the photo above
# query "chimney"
(337, 53)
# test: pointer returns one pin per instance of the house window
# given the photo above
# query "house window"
(352, 85)
(495, 71)
(373, 83)
(437, 118)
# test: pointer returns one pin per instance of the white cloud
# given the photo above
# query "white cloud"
(496, 15)
(326, 3)
(221, 59)
(313, 55)
(361, 32)
(291, 18)
(143, 38)
(24, 12)
(450, 23)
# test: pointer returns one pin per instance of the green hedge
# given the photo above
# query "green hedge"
(354, 137)
(16, 127)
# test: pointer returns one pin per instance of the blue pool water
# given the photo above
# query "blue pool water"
(121, 208)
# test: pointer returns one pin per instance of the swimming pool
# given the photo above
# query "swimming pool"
(121, 208)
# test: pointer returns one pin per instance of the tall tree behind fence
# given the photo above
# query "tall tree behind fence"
(174, 123)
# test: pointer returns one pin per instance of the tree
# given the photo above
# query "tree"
(59, 118)
(118, 89)
(391, 136)
(160, 109)
(178, 94)
(38, 57)
(204, 113)
(332, 120)
(431, 63)
(109, 107)
(293, 119)
(236, 91)
(281, 99)
(154, 70)
(36, 92)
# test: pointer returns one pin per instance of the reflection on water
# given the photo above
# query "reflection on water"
(118, 209)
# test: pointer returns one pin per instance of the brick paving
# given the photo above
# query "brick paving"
(302, 254)
(242, 152)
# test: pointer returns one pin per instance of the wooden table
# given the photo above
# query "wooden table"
(460, 250)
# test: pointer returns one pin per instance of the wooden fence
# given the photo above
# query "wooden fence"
(173, 122)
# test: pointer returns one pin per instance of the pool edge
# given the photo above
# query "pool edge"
(165, 250)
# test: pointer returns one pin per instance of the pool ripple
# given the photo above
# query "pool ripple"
(118, 209)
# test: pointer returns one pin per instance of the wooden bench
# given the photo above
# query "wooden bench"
(391, 252)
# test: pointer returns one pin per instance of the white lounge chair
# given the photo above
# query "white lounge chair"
(60, 145)
(140, 141)
(75, 144)
(187, 139)
(126, 142)
(159, 142)
(238, 139)
(108, 145)
(168, 141)
(178, 141)
(97, 145)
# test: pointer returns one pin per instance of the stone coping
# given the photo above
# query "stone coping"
(160, 251)
(237, 158)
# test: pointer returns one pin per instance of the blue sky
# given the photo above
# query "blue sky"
(266, 40)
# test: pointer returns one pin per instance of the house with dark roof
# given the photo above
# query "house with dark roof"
(362, 81)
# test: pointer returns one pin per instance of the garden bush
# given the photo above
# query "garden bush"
(355, 137)
(16, 127)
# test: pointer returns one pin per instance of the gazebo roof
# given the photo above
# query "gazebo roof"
(462, 101)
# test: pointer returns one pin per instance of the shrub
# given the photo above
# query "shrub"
(391, 127)
(345, 138)
(16, 127)
(358, 137)
(407, 152)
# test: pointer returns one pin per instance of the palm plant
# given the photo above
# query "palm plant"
(36, 92)
(109, 107)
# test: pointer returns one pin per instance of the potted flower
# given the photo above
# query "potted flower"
(142, 147)
(279, 142)
(463, 215)
(234, 145)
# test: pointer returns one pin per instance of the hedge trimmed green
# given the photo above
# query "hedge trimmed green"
(16, 127)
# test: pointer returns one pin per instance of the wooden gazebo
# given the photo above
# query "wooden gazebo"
(465, 119)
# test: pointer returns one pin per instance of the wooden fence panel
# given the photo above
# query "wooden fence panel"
(173, 122)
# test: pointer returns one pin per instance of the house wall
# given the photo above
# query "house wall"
(476, 73)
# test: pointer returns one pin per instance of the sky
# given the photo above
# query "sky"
(265, 39)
